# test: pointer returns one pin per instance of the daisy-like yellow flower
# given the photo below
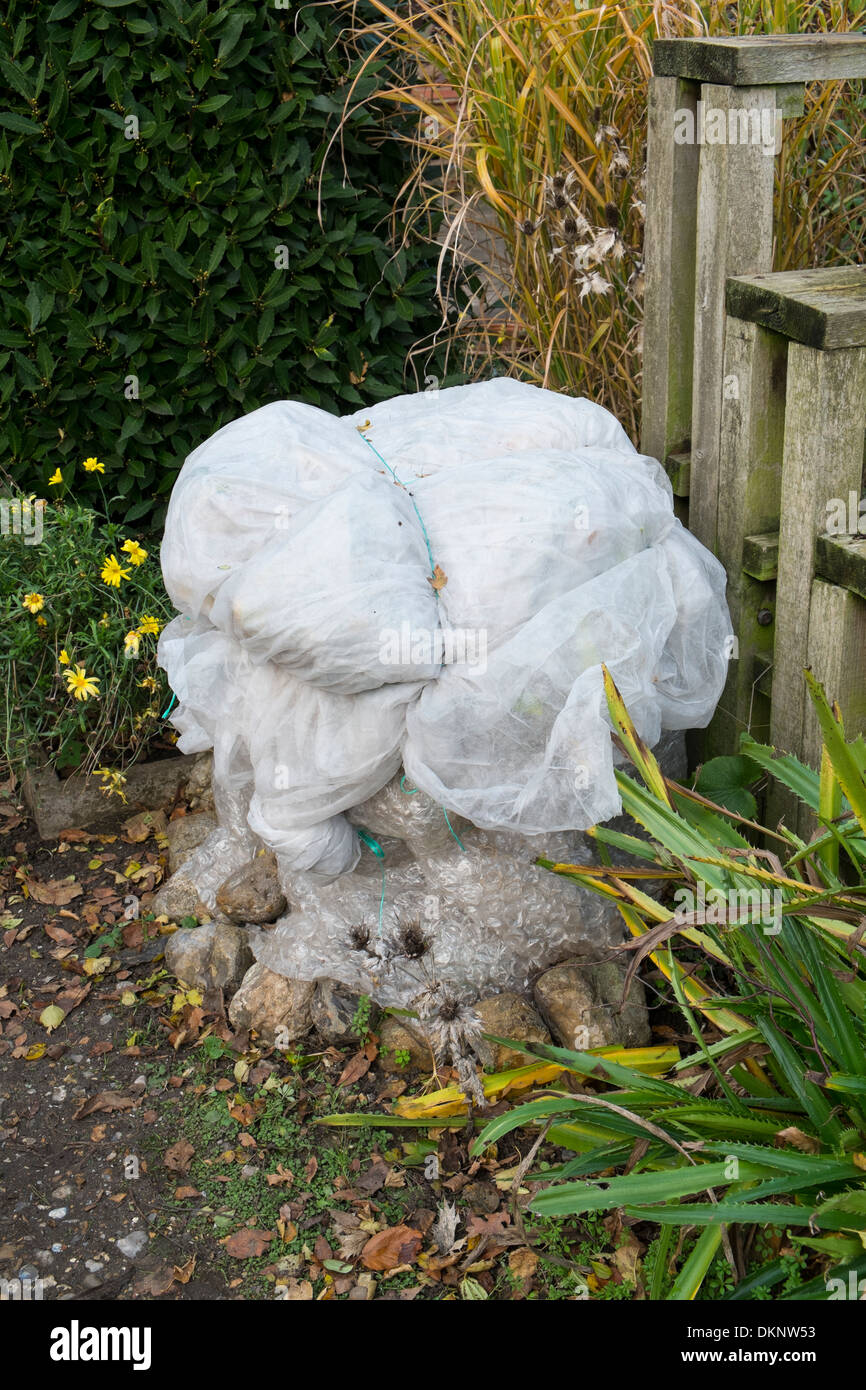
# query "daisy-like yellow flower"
(56, 478)
(149, 683)
(41, 622)
(80, 685)
(149, 627)
(131, 643)
(112, 572)
(137, 556)
(93, 465)
(33, 602)
(63, 657)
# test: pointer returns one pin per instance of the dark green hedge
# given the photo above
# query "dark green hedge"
(154, 257)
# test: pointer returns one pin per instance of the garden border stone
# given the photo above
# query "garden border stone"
(78, 801)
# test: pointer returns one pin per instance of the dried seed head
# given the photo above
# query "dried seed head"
(611, 214)
(529, 228)
(559, 182)
(412, 942)
(359, 938)
(449, 1009)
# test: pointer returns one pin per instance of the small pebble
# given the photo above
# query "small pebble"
(58, 1213)
(132, 1244)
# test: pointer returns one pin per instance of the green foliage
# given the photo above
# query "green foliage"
(155, 160)
(81, 622)
(361, 1017)
(769, 1129)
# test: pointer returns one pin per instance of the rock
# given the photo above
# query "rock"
(333, 1012)
(178, 898)
(214, 955)
(132, 1244)
(631, 1018)
(581, 1004)
(393, 1037)
(510, 1016)
(188, 953)
(231, 956)
(253, 893)
(185, 835)
(269, 1002)
(199, 785)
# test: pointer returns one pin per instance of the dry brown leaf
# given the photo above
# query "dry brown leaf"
(297, 1290)
(247, 1243)
(281, 1175)
(438, 579)
(183, 1273)
(56, 891)
(153, 1282)
(626, 1257)
(105, 1100)
(182, 1192)
(806, 1143)
(355, 1068)
(523, 1263)
(398, 1245)
(179, 1156)
(60, 935)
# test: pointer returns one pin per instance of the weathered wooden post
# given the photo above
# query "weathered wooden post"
(716, 395)
(820, 316)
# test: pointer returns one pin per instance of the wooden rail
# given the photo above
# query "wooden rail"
(754, 382)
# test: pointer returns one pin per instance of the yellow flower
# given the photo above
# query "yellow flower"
(56, 478)
(137, 556)
(33, 602)
(111, 572)
(41, 622)
(82, 686)
(93, 465)
(131, 643)
(149, 627)
(112, 782)
(149, 683)
(63, 657)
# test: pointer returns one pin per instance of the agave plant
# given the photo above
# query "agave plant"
(764, 1123)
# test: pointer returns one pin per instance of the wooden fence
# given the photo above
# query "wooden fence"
(754, 382)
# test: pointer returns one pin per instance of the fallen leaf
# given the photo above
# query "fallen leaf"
(626, 1257)
(153, 1282)
(398, 1245)
(51, 1018)
(183, 1192)
(183, 1273)
(179, 1156)
(56, 891)
(297, 1290)
(438, 579)
(247, 1243)
(281, 1175)
(374, 1179)
(105, 1100)
(60, 935)
(806, 1143)
(355, 1068)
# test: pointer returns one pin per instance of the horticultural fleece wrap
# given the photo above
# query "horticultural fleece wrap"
(306, 653)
